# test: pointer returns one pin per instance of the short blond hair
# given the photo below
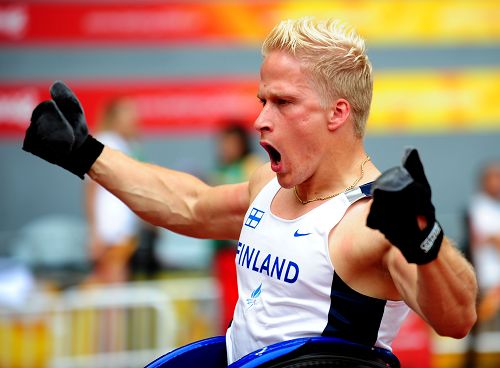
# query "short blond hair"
(335, 55)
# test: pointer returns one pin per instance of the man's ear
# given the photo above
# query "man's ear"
(340, 110)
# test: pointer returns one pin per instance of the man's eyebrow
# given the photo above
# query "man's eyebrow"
(272, 95)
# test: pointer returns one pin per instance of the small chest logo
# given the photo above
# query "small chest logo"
(254, 297)
(254, 218)
(298, 234)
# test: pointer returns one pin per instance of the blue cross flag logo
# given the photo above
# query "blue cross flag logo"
(254, 218)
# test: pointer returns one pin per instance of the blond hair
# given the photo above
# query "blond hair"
(335, 55)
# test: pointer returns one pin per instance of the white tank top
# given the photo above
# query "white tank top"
(287, 285)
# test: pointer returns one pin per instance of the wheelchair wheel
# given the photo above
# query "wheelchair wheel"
(326, 361)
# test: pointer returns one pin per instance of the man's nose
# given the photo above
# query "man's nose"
(263, 121)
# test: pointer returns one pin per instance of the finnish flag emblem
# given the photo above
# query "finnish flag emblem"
(254, 218)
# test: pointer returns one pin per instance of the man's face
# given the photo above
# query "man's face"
(292, 123)
(230, 148)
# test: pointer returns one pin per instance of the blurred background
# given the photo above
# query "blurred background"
(189, 70)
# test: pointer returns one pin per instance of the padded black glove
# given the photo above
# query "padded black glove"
(58, 132)
(400, 195)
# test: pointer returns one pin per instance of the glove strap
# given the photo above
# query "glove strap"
(431, 244)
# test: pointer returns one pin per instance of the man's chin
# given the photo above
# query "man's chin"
(284, 181)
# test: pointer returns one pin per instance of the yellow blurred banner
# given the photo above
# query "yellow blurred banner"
(396, 21)
(431, 102)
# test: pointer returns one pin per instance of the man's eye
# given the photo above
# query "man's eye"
(282, 102)
(262, 101)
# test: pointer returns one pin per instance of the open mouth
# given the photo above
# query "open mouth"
(274, 154)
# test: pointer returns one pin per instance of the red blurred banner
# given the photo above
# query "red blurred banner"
(163, 106)
(140, 22)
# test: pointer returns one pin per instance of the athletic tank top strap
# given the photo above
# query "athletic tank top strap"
(358, 193)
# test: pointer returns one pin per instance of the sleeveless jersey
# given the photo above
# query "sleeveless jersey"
(287, 285)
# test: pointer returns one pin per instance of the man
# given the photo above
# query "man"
(484, 215)
(307, 263)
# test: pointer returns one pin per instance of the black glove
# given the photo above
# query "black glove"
(58, 132)
(400, 195)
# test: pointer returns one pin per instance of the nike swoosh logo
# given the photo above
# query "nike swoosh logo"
(297, 234)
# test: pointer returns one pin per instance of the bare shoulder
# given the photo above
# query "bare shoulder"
(359, 254)
(367, 244)
(260, 177)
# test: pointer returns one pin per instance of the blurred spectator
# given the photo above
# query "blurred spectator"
(113, 227)
(483, 248)
(484, 216)
(236, 160)
(236, 164)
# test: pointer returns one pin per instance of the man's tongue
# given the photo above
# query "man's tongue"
(275, 157)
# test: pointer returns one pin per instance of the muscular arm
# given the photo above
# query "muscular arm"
(442, 292)
(429, 273)
(174, 200)
(58, 133)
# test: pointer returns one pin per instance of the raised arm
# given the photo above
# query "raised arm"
(178, 201)
(172, 199)
(430, 274)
